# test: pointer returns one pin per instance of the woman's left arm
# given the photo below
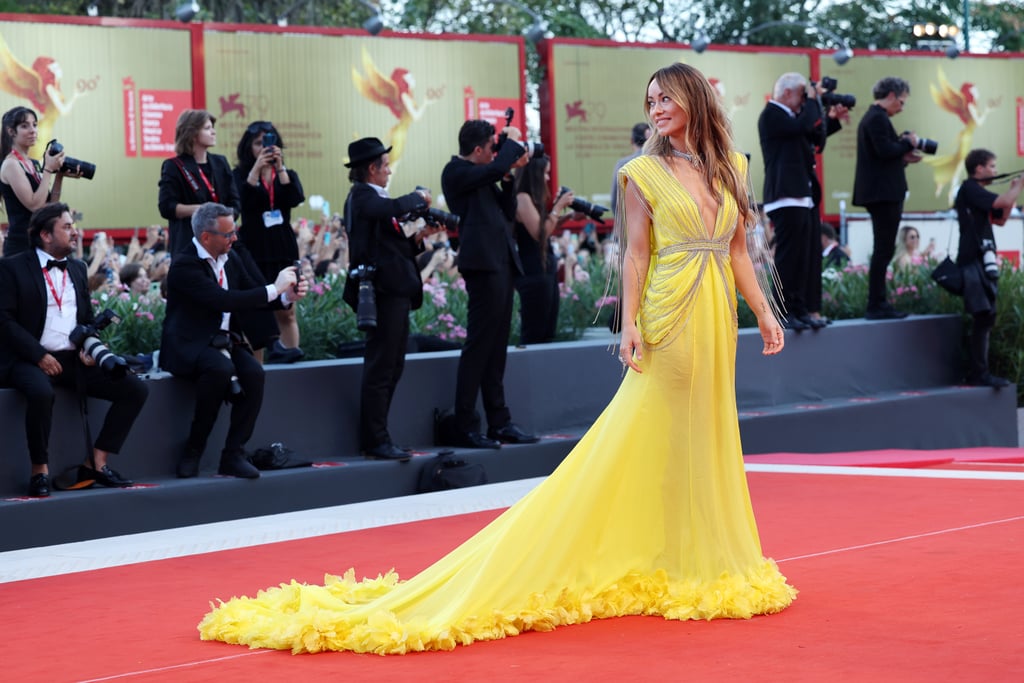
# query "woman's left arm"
(746, 283)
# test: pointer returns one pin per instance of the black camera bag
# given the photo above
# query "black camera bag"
(447, 471)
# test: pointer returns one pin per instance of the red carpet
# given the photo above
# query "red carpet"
(900, 579)
(893, 457)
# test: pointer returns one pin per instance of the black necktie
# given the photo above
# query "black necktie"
(63, 265)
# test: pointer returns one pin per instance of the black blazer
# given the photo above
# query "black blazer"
(23, 307)
(268, 245)
(486, 241)
(195, 304)
(880, 175)
(374, 239)
(788, 145)
(175, 189)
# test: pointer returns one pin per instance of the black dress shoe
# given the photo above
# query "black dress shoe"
(387, 451)
(188, 466)
(39, 486)
(884, 311)
(474, 440)
(813, 323)
(511, 433)
(794, 323)
(989, 380)
(235, 464)
(279, 353)
(104, 476)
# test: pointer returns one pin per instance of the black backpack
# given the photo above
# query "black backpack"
(448, 471)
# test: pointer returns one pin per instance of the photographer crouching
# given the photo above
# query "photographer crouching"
(48, 338)
(977, 210)
(383, 284)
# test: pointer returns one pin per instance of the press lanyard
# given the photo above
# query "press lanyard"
(53, 290)
(269, 187)
(30, 168)
(213, 192)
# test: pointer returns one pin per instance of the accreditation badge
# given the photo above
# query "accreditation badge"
(272, 218)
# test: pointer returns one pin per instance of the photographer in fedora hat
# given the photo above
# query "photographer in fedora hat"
(383, 252)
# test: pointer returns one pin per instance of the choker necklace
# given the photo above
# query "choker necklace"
(683, 155)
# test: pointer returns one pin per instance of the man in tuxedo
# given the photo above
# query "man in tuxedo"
(44, 295)
(880, 184)
(489, 263)
(203, 338)
(792, 130)
(379, 242)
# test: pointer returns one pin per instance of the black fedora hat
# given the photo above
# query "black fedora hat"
(363, 150)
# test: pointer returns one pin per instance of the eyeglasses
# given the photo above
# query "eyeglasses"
(259, 127)
(228, 235)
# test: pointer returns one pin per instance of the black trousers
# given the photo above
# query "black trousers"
(126, 396)
(482, 363)
(213, 376)
(812, 296)
(538, 308)
(885, 223)
(793, 255)
(981, 332)
(383, 363)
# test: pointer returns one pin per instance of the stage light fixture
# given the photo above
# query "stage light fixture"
(186, 12)
(92, 10)
(374, 24)
(701, 42)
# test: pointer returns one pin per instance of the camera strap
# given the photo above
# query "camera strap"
(29, 165)
(192, 181)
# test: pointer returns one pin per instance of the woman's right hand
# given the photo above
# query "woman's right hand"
(631, 347)
(563, 202)
(53, 163)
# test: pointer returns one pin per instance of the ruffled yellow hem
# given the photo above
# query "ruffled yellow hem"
(306, 618)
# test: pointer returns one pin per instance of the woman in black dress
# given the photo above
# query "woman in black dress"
(538, 286)
(269, 191)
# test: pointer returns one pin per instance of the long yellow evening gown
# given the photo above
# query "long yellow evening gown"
(649, 514)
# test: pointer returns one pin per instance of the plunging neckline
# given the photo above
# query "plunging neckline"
(689, 195)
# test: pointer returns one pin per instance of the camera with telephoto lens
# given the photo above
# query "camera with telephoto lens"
(534, 150)
(366, 308)
(830, 97)
(434, 217)
(86, 339)
(594, 211)
(989, 259)
(53, 148)
(926, 145)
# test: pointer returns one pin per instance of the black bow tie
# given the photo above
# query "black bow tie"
(63, 265)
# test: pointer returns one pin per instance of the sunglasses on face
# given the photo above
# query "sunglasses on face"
(259, 127)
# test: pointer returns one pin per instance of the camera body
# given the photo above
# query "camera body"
(434, 217)
(989, 259)
(70, 165)
(534, 150)
(593, 211)
(925, 145)
(366, 308)
(830, 97)
(86, 339)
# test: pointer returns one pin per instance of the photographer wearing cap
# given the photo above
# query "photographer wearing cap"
(792, 130)
(208, 287)
(479, 187)
(880, 184)
(44, 300)
(382, 252)
(977, 210)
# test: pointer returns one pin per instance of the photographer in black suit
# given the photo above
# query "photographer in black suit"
(207, 288)
(44, 295)
(380, 249)
(977, 210)
(792, 129)
(489, 263)
(880, 184)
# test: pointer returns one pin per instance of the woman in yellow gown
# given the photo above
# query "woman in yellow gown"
(649, 514)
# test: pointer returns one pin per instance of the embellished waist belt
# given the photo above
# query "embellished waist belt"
(695, 245)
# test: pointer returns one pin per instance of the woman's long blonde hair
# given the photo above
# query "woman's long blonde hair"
(708, 133)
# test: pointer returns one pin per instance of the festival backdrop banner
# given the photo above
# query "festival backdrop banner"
(961, 104)
(322, 92)
(110, 95)
(599, 90)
